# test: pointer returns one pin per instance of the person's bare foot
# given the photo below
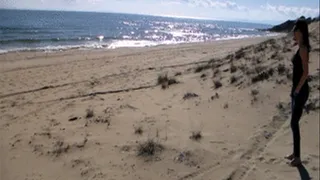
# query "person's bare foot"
(296, 162)
(290, 157)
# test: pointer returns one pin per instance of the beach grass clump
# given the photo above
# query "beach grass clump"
(270, 72)
(203, 76)
(288, 74)
(261, 47)
(281, 106)
(233, 68)
(190, 95)
(216, 96)
(275, 55)
(254, 92)
(138, 130)
(286, 49)
(103, 120)
(162, 78)
(233, 79)
(260, 77)
(281, 69)
(201, 68)
(312, 105)
(217, 84)
(216, 71)
(196, 135)
(149, 148)
(59, 148)
(265, 75)
(254, 99)
(89, 113)
(172, 81)
(178, 74)
(240, 53)
(259, 69)
(165, 81)
(230, 57)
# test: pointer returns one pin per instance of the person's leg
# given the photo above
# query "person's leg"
(297, 109)
(296, 115)
(293, 128)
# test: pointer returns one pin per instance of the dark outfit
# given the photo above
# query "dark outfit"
(298, 101)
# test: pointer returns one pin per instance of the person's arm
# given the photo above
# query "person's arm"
(305, 58)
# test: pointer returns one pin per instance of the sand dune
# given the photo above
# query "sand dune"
(220, 111)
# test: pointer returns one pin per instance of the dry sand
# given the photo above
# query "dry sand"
(80, 114)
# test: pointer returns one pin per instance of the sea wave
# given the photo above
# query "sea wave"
(146, 43)
(43, 40)
(131, 43)
(56, 48)
(12, 28)
(3, 51)
(125, 43)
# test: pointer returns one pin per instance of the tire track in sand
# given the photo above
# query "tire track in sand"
(260, 140)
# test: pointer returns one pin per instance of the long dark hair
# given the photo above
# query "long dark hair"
(302, 26)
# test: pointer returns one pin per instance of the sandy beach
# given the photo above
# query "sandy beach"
(208, 111)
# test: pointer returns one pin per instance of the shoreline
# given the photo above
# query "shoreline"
(16, 60)
(160, 46)
(106, 46)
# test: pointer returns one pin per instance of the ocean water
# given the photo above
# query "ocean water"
(24, 30)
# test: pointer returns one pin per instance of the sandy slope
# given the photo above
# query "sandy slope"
(44, 98)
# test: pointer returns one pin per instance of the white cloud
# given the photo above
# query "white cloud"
(171, 3)
(291, 11)
(94, 1)
(216, 4)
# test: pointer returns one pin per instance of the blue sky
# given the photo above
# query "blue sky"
(271, 11)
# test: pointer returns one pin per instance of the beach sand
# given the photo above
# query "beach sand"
(222, 113)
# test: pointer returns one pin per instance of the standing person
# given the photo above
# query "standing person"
(300, 87)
